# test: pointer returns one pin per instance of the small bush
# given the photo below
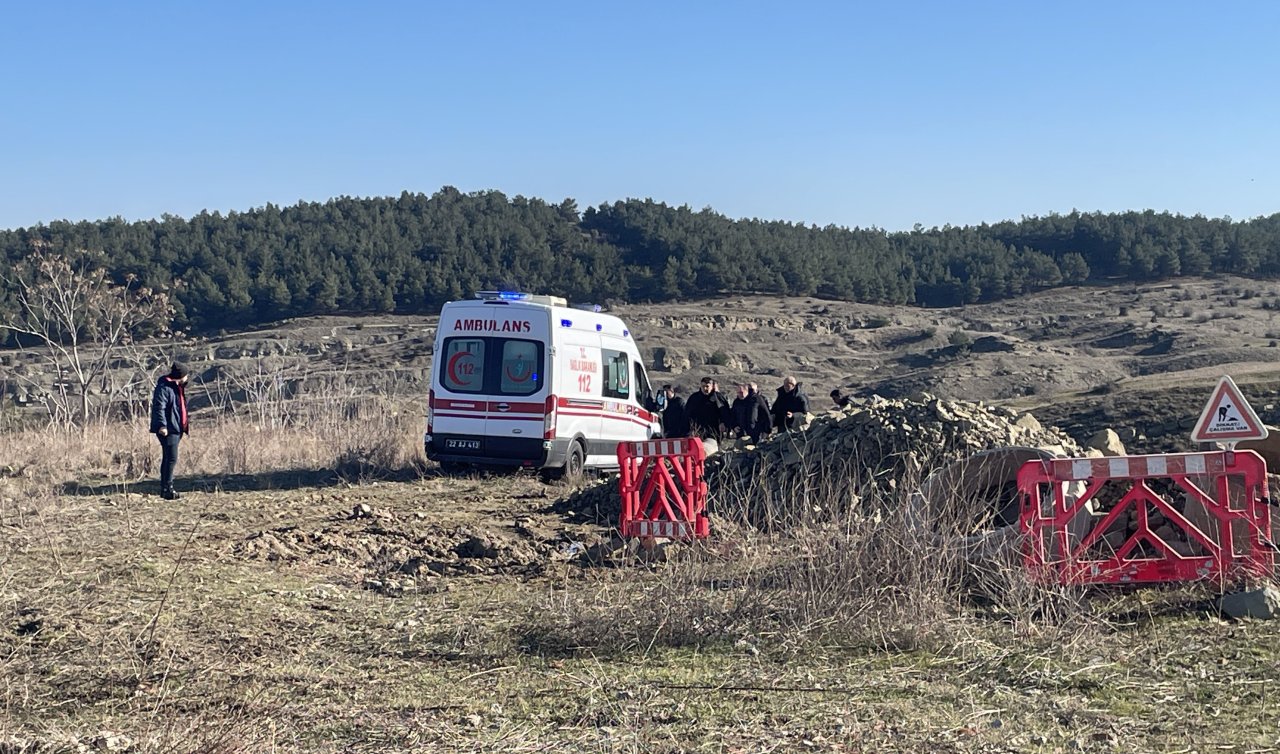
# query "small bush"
(1105, 388)
(718, 359)
(960, 338)
(877, 322)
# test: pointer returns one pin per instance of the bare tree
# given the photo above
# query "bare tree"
(82, 323)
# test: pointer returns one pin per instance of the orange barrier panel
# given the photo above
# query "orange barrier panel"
(1150, 519)
(663, 492)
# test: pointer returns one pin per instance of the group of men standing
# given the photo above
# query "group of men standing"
(709, 414)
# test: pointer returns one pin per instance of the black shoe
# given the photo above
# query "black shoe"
(170, 495)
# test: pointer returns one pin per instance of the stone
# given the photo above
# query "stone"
(1108, 442)
(1263, 604)
(655, 549)
(361, 510)
(1027, 421)
(111, 742)
(477, 547)
(668, 361)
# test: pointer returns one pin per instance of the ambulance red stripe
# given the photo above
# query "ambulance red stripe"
(495, 417)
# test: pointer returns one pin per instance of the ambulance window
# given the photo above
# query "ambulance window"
(521, 367)
(462, 365)
(644, 393)
(617, 374)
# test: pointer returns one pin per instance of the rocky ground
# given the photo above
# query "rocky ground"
(1137, 358)
(315, 609)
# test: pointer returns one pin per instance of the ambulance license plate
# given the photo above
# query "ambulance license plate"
(462, 444)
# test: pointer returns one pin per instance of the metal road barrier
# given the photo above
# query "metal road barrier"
(662, 488)
(1154, 518)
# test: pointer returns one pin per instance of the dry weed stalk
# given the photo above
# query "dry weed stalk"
(821, 560)
(84, 326)
(334, 425)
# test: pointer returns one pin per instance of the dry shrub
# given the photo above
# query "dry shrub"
(352, 434)
(815, 565)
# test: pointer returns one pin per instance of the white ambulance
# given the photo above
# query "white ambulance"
(525, 380)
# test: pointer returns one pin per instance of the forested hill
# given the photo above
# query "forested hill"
(413, 252)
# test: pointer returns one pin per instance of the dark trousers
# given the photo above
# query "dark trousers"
(169, 460)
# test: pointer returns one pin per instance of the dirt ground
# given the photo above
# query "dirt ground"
(305, 610)
(437, 614)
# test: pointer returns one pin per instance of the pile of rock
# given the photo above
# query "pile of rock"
(882, 444)
(873, 449)
(599, 504)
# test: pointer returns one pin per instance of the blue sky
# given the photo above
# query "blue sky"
(856, 114)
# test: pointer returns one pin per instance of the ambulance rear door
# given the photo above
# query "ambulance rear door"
(517, 406)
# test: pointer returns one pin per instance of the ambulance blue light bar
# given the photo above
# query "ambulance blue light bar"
(503, 296)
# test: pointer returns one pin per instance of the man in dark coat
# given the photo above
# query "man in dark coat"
(169, 423)
(708, 411)
(675, 423)
(750, 414)
(790, 406)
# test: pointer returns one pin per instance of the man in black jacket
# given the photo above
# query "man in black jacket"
(750, 414)
(790, 406)
(674, 421)
(708, 411)
(169, 423)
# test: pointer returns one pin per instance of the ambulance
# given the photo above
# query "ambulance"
(526, 380)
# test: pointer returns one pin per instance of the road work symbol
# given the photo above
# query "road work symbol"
(1227, 417)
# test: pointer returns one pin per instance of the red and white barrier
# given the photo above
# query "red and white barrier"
(662, 488)
(1221, 519)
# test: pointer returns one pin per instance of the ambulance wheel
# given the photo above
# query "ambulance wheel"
(572, 468)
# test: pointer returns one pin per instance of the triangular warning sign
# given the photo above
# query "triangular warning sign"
(1228, 417)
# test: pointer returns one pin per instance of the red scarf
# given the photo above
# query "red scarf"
(182, 401)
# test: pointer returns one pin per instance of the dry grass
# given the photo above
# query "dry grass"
(833, 626)
(825, 560)
(353, 438)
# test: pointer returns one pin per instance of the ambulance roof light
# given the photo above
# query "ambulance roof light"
(503, 296)
(529, 298)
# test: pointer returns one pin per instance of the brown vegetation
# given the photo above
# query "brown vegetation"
(321, 587)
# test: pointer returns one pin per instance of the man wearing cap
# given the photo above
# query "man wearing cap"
(169, 423)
